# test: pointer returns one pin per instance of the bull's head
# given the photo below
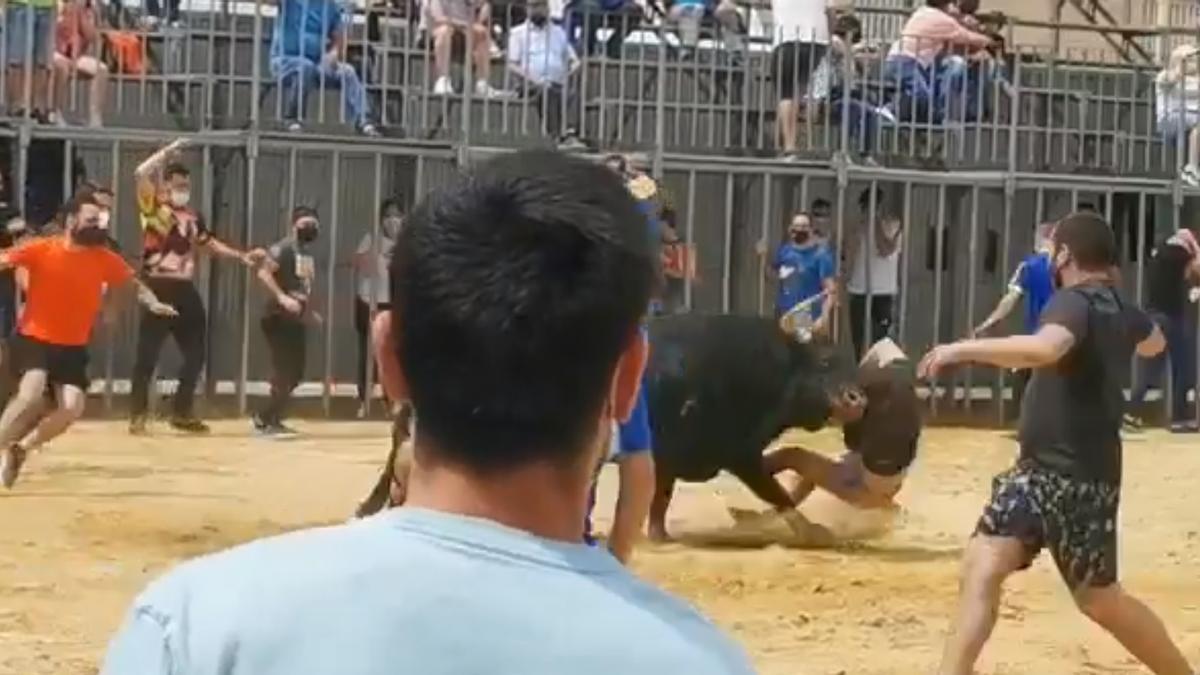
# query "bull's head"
(827, 376)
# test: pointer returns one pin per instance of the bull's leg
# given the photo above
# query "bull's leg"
(664, 487)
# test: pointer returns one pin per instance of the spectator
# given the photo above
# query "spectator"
(985, 66)
(29, 35)
(75, 40)
(1173, 272)
(820, 212)
(517, 378)
(688, 14)
(874, 257)
(371, 261)
(158, 13)
(541, 57)
(804, 268)
(930, 86)
(847, 100)
(1177, 107)
(307, 52)
(621, 17)
(288, 275)
(801, 38)
(468, 20)
(1033, 280)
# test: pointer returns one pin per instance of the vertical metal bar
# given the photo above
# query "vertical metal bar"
(972, 270)
(252, 150)
(376, 252)
(1005, 262)
(293, 158)
(764, 238)
(689, 234)
(68, 170)
(335, 185)
(206, 176)
(938, 257)
(867, 251)
(255, 66)
(727, 263)
(1139, 275)
(835, 324)
(905, 260)
(115, 219)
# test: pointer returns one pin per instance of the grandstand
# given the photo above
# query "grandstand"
(1074, 123)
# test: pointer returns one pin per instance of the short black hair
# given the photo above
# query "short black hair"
(175, 169)
(939, 4)
(396, 201)
(516, 289)
(1090, 240)
(864, 198)
(821, 207)
(304, 212)
(76, 203)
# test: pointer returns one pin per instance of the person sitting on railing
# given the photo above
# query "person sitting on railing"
(801, 39)
(470, 19)
(29, 46)
(849, 102)
(985, 65)
(541, 58)
(622, 17)
(75, 38)
(308, 52)
(688, 14)
(1177, 106)
(928, 85)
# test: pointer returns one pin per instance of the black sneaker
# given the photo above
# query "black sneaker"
(1190, 427)
(10, 465)
(137, 425)
(189, 425)
(274, 431)
(1131, 423)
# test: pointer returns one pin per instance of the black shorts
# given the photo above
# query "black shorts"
(64, 364)
(1076, 519)
(792, 65)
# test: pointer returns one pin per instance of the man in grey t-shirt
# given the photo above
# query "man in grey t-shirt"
(517, 365)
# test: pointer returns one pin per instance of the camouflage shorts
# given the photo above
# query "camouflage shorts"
(1075, 519)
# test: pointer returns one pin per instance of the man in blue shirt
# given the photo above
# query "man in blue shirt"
(804, 267)
(307, 53)
(1033, 281)
(517, 365)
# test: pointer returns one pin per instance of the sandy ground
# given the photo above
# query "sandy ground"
(100, 514)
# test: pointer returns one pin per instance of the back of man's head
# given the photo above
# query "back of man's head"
(516, 292)
(1089, 240)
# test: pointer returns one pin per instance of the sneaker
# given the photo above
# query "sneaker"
(572, 144)
(137, 425)
(260, 426)
(443, 87)
(278, 432)
(189, 425)
(485, 90)
(369, 130)
(1190, 175)
(294, 127)
(1190, 427)
(10, 466)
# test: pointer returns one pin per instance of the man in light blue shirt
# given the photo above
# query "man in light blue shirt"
(541, 58)
(517, 365)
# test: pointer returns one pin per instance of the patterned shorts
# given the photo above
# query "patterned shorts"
(1075, 519)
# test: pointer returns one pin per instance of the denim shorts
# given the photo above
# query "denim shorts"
(23, 42)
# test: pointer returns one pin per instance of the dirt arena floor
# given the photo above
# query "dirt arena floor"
(100, 514)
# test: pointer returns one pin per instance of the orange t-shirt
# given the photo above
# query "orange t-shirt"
(66, 285)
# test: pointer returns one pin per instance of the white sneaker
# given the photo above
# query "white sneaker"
(10, 466)
(485, 90)
(1190, 175)
(443, 87)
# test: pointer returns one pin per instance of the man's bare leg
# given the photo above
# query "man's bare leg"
(1135, 626)
(986, 564)
(24, 406)
(786, 117)
(71, 401)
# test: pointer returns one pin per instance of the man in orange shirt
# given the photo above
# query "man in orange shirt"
(67, 276)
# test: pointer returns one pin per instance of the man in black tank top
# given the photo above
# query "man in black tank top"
(1064, 491)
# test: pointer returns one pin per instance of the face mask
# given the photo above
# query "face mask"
(105, 217)
(180, 198)
(307, 235)
(538, 20)
(89, 236)
(391, 225)
(801, 236)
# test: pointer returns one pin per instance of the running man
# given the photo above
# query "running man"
(288, 275)
(67, 276)
(171, 232)
(630, 449)
(1064, 491)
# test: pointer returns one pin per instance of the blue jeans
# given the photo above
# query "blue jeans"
(30, 34)
(298, 75)
(1180, 332)
(928, 94)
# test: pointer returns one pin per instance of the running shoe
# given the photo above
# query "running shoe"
(10, 465)
(1131, 423)
(137, 425)
(189, 425)
(1189, 427)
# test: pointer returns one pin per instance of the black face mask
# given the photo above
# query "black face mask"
(538, 20)
(801, 237)
(89, 236)
(307, 235)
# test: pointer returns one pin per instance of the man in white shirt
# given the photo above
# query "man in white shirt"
(801, 38)
(874, 254)
(372, 294)
(541, 57)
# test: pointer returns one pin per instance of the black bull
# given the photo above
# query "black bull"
(720, 390)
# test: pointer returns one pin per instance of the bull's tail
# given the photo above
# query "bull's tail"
(380, 496)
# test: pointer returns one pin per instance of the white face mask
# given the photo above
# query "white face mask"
(105, 216)
(391, 225)
(180, 198)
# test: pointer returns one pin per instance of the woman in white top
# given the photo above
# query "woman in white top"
(1177, 106)
(874, 273)
(371, 261)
